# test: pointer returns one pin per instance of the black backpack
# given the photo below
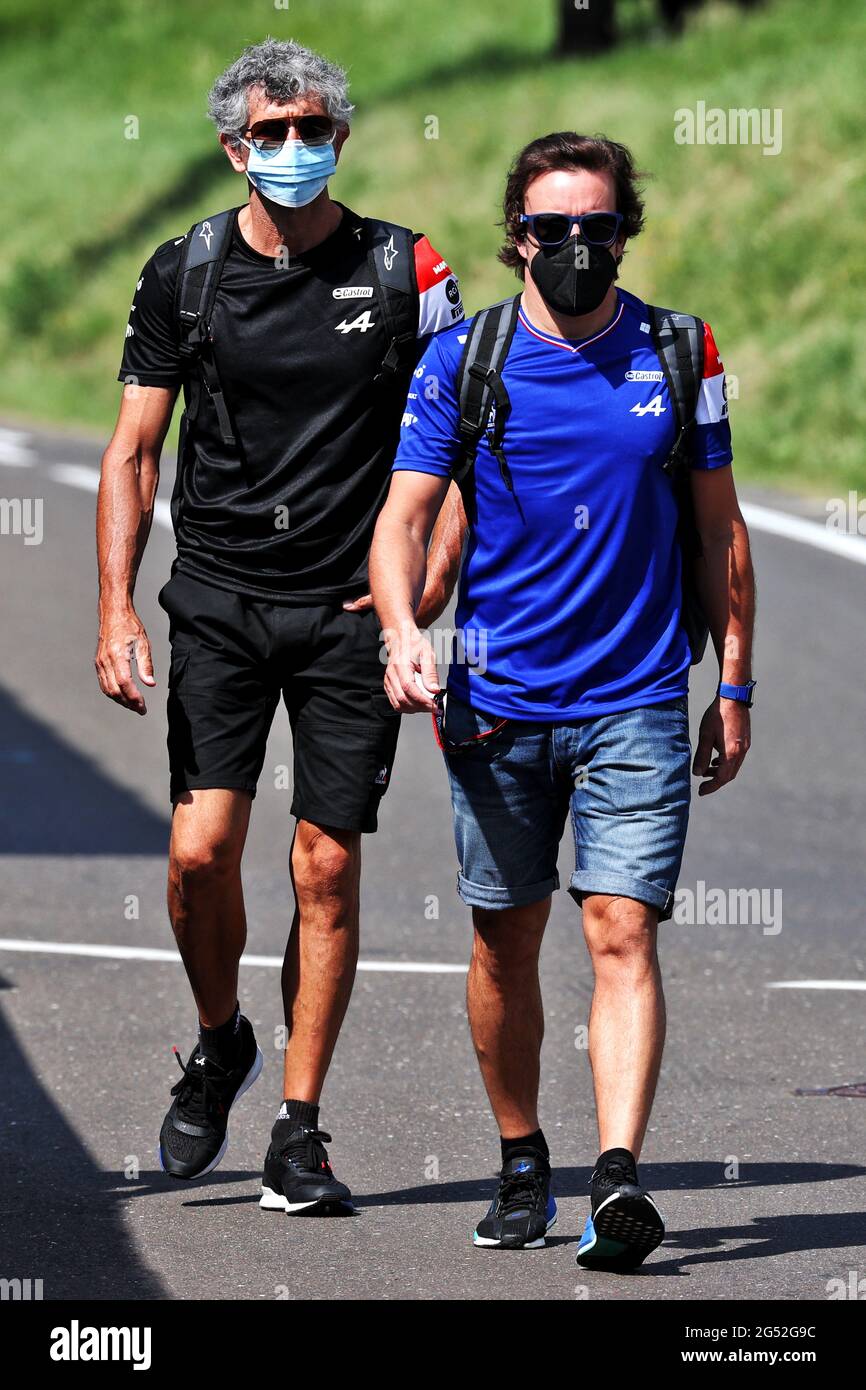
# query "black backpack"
(679, 342)
(391, 260)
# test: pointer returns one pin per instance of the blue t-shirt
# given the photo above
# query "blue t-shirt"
(569, 598)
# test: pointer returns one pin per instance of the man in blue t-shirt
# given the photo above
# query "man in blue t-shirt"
(568, 686)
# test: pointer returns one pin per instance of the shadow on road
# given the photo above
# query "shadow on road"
(767, 1235)
(61, 1221)
(56, 801)
(656, 1177)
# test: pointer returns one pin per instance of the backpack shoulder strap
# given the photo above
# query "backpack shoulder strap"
(204, 253)
(679, 342)
(391, 257)
(480, 388)
(205, 249)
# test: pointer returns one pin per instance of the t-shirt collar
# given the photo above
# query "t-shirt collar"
(573, 344)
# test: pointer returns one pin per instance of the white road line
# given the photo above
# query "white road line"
(15, 450)
(817, 984)
(81, 476)
(76, 475)
(796, 528)
(64, 948)
(769, 519)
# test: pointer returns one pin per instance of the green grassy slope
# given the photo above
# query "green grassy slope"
(769, 249)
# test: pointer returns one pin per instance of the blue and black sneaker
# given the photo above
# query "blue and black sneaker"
(625, 1225)
(523, 1210)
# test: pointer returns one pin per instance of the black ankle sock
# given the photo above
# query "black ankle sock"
(223, 1043)
(510, 1147)
(621, 1155)
(299, 1112)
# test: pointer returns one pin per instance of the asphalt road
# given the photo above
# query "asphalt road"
(764, 1190)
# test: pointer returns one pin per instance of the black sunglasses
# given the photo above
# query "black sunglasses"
(270, 136)
(447, 744)
(554, 228)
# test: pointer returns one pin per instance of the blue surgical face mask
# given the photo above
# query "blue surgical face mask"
(294, 176)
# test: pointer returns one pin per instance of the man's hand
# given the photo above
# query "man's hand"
(359, 605)
(726, 731)
(410, 654)
(122, 638)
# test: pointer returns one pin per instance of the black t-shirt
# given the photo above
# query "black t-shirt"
(288, 513)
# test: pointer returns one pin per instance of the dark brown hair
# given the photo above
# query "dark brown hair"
(565, 149)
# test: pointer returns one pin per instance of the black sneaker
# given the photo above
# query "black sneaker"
(297, 1175)
(194, 1134)
(523, 1210)
(625, 1225)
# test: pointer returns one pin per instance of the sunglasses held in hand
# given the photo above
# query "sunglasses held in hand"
(448, 745)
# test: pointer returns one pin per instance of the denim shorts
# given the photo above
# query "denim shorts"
(624, 777)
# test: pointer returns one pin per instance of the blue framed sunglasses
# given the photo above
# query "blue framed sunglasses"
(554, 228)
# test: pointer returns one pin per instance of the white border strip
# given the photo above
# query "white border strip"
(817, 984)
(796, 528)
(64, 948)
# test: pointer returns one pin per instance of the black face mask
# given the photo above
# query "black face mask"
(574, 278)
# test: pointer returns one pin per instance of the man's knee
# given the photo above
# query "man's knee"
(621, 933)
(200, 862)
(507, 942)
(325, 864)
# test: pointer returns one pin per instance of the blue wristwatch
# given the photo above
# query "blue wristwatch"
(743, 693)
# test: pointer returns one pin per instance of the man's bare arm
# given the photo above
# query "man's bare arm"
(124, 512)
(444, 554)
(726, 587)
(398, 570)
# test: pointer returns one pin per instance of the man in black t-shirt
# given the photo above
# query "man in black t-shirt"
(289, 433)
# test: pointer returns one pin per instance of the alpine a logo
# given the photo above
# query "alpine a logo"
(354, 292)
(206, 234)
(653, 407)
(390, 251)
(363, 322)
(644, 376)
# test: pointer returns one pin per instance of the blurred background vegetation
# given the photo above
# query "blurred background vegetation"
(769, 249)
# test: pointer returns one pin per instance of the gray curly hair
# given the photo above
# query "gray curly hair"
(283, 70)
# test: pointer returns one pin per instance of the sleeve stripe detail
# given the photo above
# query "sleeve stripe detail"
(713, 364)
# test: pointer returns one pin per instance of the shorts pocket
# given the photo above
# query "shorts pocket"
(381, 708)
(178, 668)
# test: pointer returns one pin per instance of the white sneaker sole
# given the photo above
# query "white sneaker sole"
(497, 1244)
(275, 1201)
